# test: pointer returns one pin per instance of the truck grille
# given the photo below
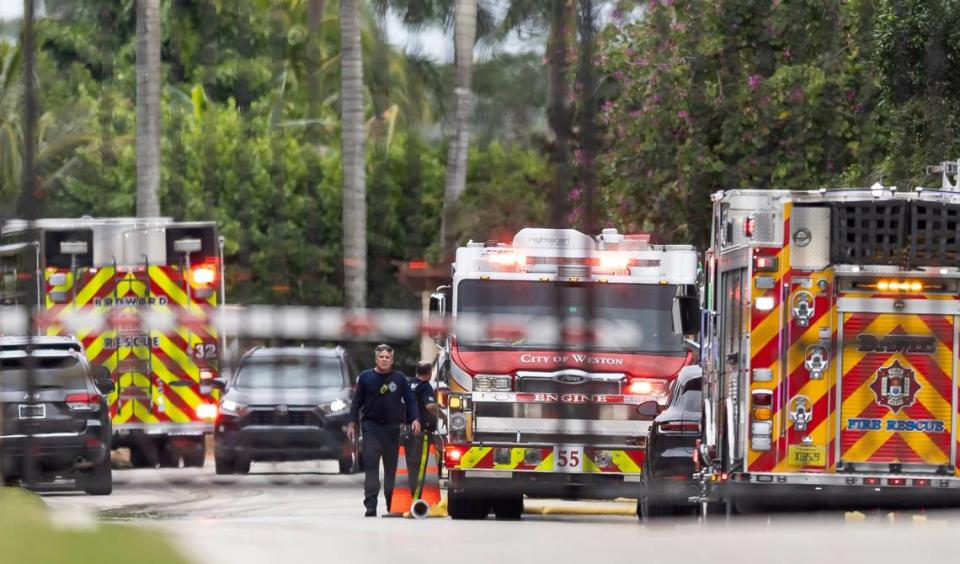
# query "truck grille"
(551, 386)
(618, 412)
(292, 417)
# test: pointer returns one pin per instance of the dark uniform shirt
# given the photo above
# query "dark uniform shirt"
(425, 395)
(383, 399)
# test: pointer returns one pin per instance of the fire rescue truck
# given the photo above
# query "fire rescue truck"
(562, 351)
(830, 346)
(99, 279)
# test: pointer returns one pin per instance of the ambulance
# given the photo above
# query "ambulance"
(100, 279)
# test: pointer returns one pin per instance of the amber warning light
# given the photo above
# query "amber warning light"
(897, 286)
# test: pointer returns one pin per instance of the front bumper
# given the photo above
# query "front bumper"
(275, 443)
(547, 470)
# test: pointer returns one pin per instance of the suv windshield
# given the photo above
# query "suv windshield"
(286, 372)
(630, 317)
(48, 373)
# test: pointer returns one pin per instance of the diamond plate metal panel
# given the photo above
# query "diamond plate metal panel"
(810, 238)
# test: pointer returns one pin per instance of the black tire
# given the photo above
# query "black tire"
(99, 479)
(650, 506)
(461, 505)
(196, 455)
(223, 464)
(142, 456)
(168, 454)
(508, 507)
(242, 466)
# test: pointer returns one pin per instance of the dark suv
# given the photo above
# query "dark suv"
(55, 419)
(286, 404)
(668, 467)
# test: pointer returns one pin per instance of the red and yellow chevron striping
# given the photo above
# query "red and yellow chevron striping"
(595, 461)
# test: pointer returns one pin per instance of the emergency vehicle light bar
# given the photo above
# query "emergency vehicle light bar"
(605, 262)
(897, 286)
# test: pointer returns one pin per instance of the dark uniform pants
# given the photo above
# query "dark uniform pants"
(380, 442)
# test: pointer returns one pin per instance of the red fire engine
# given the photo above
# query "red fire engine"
(562, 350)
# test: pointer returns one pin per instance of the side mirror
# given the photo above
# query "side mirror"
(443, 368)
(686, 315)
(103, 381)
(438, 310)
(216, 383)
(438, 303)
(649, 409)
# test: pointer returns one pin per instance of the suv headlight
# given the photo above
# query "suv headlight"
(230, 407)
(336, 406)
(487, 383)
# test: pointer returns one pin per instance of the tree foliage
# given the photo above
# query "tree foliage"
(734, 94)
(240, 145)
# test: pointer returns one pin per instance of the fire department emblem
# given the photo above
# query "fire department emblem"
(895, 387)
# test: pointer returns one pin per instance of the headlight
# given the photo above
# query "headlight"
(230, 407)
(338, 405)
(489, 383)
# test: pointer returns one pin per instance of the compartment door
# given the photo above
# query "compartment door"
(896, 386)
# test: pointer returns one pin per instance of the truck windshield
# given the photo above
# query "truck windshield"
(291, 373)
(626, 317)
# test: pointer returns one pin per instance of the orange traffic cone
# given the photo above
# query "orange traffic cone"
(427, 483)
(400, 500)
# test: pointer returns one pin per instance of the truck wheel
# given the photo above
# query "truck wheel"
(99, 479)
(461, 505)
(223, 464)
(195, 456)
(508, 507)
(242, 466)
(143, 455)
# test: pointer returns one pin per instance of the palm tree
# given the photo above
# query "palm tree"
(148, 108)
(558, 17)
(352, 143)
(465, 32)
(315, 10)
(10, 113)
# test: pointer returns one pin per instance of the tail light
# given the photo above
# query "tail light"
(206, 374)
(761, 428)
(207, 411)
(83, 402)
(762, 403)
(680, 427)
(452, 455)
(442, 396)
(204, 275)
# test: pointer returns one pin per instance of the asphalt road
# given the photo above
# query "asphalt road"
(305, 512)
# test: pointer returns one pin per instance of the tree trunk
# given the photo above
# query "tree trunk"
(148, 108)
(587, 112)
(465, 32)
(28, 205)
(315, 11)
(559, 105)
(352, 158)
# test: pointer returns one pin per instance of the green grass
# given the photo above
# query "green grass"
(27, 536)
